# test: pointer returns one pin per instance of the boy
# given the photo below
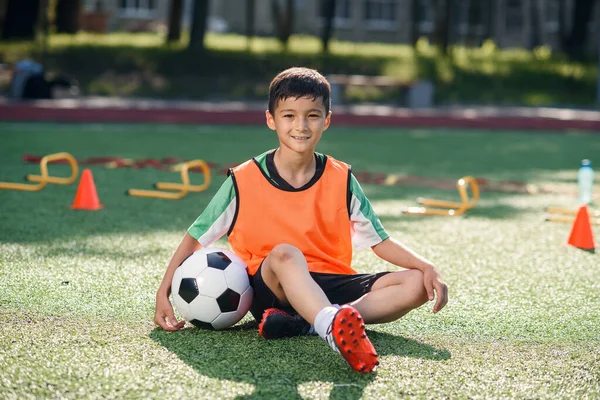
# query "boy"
(294, 216)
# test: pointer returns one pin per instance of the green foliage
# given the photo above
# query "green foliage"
(78, 287)
(142, 65)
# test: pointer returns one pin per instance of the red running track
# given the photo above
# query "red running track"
(149, 111)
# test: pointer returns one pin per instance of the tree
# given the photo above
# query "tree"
(21, 19)
(536, 12)
(250, 5)
(443, 22)
(489, 20)
(329, 14)
(415, 21)
(283, 20)
(175, 13)
(475, 18)
(576, 41)
(67, 16)
(199, 22)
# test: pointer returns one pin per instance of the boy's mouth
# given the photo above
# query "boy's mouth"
(300, 137)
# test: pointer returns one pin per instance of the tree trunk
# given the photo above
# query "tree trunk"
(199, 22)
(283, 23)
(443, 23)
(175, 13)
(250, 8)
(67, 16)
(414, 22)
(575, 46)
(20, 19)
(562, 25)
(329, 15)
(450, 9)
(490, 20)
(535, 37)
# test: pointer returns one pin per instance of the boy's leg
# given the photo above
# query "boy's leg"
(382, 297)
(392, 296)
(285, 272)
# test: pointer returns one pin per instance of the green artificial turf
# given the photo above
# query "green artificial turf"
(77, 297)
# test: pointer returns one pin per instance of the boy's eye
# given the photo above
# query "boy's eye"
(288, 116)
(314, 115)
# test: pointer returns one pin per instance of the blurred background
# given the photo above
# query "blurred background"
(406, 53)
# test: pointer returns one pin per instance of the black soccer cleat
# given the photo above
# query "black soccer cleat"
(277, 324)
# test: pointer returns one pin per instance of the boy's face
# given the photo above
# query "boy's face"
(299, 123)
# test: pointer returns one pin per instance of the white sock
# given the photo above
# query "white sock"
(324, 319)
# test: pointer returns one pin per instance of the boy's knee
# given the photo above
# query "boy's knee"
(415, 283)
(282, 254)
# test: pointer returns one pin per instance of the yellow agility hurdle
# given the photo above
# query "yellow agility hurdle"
(449, 208)
(43, 179)
(183, 188)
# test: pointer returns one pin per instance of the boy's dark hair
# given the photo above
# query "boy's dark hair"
(299, 82)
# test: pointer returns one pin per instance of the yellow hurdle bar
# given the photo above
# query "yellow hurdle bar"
(45, 178)
(55, 179)
(449, 208)
(182, 188)
(185, 178)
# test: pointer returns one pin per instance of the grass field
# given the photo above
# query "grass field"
(78, 287)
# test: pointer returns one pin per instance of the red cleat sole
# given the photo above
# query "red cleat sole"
(348, 329)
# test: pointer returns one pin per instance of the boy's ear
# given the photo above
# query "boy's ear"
(270, 120)
(327, 121)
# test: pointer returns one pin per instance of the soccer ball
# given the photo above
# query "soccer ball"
(211, 288)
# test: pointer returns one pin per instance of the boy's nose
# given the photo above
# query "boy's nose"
(301, 124)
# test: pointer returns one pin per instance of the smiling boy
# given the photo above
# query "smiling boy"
(294, 216)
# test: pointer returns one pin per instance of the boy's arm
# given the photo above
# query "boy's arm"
(163, 315)
(398, 254)
(212, 224)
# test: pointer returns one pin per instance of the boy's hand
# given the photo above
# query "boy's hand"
(164, 316)
(433, 282)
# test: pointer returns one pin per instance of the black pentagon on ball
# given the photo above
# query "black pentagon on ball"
(202, 325)
(188, 289)
(217, 260)
(228, 301)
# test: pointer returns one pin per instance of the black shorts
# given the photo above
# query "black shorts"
(339, 289)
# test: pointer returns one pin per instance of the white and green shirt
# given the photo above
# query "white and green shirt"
(219, 216)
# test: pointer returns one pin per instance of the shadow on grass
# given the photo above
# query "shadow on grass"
(495, 211)
(276, 368)
(491, 212)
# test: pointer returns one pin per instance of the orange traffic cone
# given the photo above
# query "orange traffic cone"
(86, 197)
(581, 234)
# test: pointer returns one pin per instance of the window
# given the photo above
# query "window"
(381, 14)
(342, 14)
(138, 8)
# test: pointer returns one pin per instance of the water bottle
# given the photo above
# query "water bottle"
(585, 180)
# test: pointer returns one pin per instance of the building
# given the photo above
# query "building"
(512, 23)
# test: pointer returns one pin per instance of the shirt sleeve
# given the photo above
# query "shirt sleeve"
(216, 219)
(367, 229)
